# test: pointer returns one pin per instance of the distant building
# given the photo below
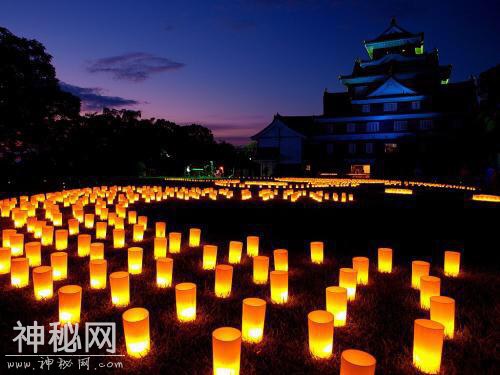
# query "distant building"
(397, 116)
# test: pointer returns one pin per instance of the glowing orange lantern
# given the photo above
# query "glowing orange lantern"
(252, 246)
(252, 320)
(160, 247)
(451, 263)
(143, 220)
(84, 244)
(419, 268)
(279, 287)
(138, 232)
(132, 217)
(34, 253)
(428, 338)
(73, 227)
(209, 257)
(223, 280)
(89, 221)
(118, 238)
(39, 225)
(194, 237)
(385, 260)
(61, 239)
(19, 272)
(43, 285)
(280, 260)
(135, 260)
(357, 362)
(160, 228)
(185, 300)
(429, 286)
(70, 303)
(120, 288)
(164, 270)
(226, 347)
(361, 265)
(6, 233)
(336, 303)
(260, 269)
(47, 235)
(96, 250)
(320, 327)
(5, 259)
(59, 263)
(98, 269)
(174, 239)
(443, 311)
(235, 250)
(317, 252)
(348, 280)
(101, 227)
(17, 244)
(136, 331)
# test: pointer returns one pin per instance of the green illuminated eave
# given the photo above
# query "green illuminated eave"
(373, 45)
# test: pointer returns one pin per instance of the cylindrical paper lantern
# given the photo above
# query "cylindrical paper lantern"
(361, 265)
(427, 345)
(252, 246)
(132, 217)
(138, 232)
(160, 247)
(61, 239)
(118, 238)
(336, 303)
(96, 250)
(47, 235)
(84, 244)
(226, 347)
(235, 251)
(194, 237)
(385, 260)
(89, 221)
(6, 233)
(317, 252)
(136, 331)
(135, 260)
(280, 260)
(174, 239)
(164, 270)
(42, 282)
(70, 303)
(73, 226)
(320, 327)
(143, 220)
(34, 253)
(279, 286)
(357, 362)
(19, 272)
(429, 286)
(5, 259)
(443, 311)
(223, 280)
(209, 257)
(260, 269)
(17, 244)
(98, 273)
(120, 288)
(59, 264)
(185, 301)
(451, 263)
(253, 318)
(348, 279)
(101, 228)
(419, 268)
(160, 229)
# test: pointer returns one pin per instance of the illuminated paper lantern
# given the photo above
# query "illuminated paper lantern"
(101, 228)
(70, 303)
(30, 224)
(61, 239)
(320, 328)
(252, 246)
(6, 233)
(19, 272)
(451, 263)
(119, 223)
(5, 259)
(143, 220)
(223, 280)
(357, 362)
(17, 244)
(120, 288)
(209, 257)
(279, 286)
(160, 247)
(138, 232)
(226, 348)
(118, 238)
(84, 244)
(47, 235)
(73, 227)
(194, 237)
(135, 260)
(235, 251)
(252, 320)
(96, 250)
(43, 285)
(34, 253)
(348, 280)
(59, 264)
(385, 260)
(336, 304)
(429, 286)
(428, 338)
(57, 219)
(317, 252)
(174, 239)
(419, 268)
(98, 269)
(89, 221)
(136, 331)
(160, 229)
(132, 217)
(39, 225)
(280, 260)
(185, 301)
(443, 311)
(361, 265)
(164, 270)
(260, 269)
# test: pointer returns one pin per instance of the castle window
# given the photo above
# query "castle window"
(351, 127)
(365, 108)
(400, 126)
(372, 127)
(352, 148)
(390, 107)
(391, 148)
(369, 148)
(415, 105)
(426, 124)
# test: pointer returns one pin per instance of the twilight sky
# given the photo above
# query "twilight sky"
(232, 64)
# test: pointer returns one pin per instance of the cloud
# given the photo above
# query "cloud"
(94, 100)
(134, 66)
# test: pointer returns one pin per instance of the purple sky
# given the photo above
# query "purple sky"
(232, 64)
